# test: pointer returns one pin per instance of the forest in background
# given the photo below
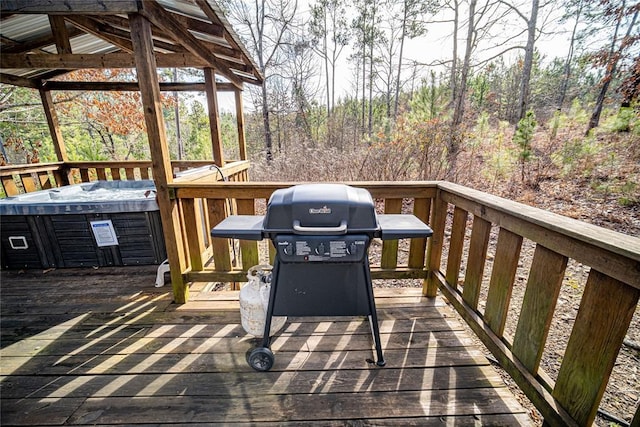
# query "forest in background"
(496, 113)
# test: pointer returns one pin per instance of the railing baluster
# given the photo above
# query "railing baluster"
(541, 295)
(603, 318)
(28, 183)
(417, 248)
(221, 255)
(59, 177)
(9, 186)
(476, 260)
(456, 245)
(248, 249)
(194, 238)
(45, 180)
(144, 173)
(102, 174)
(130, 174)
(503, 274)
(84, 174)
(436, 243)
(390, 247)
(115, 174)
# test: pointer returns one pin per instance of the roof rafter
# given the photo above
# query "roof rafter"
(60, 34)
(98, 30)
(159, 17)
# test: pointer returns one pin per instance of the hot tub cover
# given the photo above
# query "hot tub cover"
(89, 197)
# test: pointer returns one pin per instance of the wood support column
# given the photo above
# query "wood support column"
(162, 173)
(214, 118)
(242, 143)
(54, 125)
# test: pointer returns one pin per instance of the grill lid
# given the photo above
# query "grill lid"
(320, 209)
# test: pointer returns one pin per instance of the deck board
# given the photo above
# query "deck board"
(108, 348)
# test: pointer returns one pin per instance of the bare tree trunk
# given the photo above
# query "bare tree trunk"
(612, 64)
(567, 65)
(325, 54)
(364, 87)
(461, 94)
(453, 147)
(371, 41)
(402, 36)
(523, 102)
(454, 62)
(268, 142)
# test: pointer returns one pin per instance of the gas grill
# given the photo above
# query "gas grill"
(322, 234)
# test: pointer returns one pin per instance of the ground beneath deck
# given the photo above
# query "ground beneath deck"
(105, 347)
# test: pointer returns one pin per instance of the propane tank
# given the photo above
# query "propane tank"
(254, 301)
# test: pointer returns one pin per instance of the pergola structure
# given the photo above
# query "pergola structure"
(42, 39)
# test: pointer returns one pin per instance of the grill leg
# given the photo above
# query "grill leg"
(373, 317)
(266, 339)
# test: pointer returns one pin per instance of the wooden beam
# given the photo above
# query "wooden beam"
(214, 118)
(242, 143)
(164, 20)
(111, 60)
(133, 86)
(68, 6)
(60, 34)
(101, 31)
(116, 23)
(67, 61)
(162, 173)
(9, 79)
(54, 125)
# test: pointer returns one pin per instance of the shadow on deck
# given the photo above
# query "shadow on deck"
(81, 347)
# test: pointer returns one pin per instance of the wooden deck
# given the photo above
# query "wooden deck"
(85, 347)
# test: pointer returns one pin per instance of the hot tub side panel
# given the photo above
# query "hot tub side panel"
(22, 243)
(140, 238)
(67, 240)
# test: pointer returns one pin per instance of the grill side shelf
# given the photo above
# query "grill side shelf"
(242, 227)
(402, 226)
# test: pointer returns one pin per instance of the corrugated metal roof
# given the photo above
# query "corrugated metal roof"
(31, 33)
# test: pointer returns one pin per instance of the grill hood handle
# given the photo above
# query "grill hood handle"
(299, 229)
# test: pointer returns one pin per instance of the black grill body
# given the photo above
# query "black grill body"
(322, 234)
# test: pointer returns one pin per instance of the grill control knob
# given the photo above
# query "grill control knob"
(320, 249)
(287, 249)
(352, 248)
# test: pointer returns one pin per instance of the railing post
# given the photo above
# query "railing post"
(434, 248)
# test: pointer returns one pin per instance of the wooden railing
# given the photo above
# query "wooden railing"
(18, 179)
(465, 219)
(606, 309)
(209, 204)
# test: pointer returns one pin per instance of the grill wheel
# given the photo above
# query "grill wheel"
(261, 359)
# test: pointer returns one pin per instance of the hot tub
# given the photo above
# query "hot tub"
(101, 223)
